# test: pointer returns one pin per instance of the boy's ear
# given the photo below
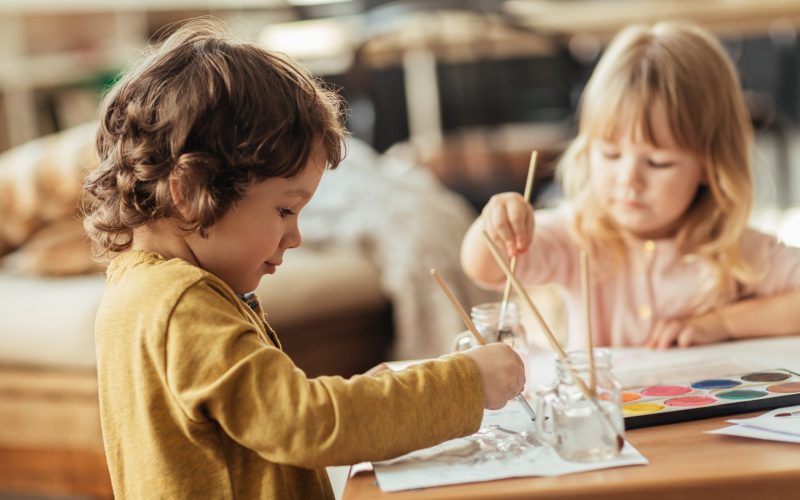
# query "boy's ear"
(176, 191)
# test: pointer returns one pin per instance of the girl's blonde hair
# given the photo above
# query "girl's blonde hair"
(687, 71)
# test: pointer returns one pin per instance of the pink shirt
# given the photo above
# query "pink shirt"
(654, 284)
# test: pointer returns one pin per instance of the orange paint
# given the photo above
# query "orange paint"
(627, 397)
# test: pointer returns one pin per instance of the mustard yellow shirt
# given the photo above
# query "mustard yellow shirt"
(197, 400)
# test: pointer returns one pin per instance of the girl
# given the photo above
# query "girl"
(660, 192)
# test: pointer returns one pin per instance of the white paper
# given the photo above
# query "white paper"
(770, 422)
(756, 433)
(640, 367)
(459, 461)
(767, 426)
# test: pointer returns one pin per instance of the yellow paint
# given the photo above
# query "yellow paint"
(639, 408)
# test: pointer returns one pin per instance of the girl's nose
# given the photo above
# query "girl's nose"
(630, 173)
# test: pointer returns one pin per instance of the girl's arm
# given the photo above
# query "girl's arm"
(763, 316)
(476, 260)
(750, 318)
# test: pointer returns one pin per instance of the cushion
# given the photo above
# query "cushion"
(50, 321)
(40, 182)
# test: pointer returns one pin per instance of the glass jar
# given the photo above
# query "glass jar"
(569, 422)
(487, 320)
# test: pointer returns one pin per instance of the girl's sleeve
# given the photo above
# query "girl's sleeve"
(219, 369)
(553, 255)
(777, 264)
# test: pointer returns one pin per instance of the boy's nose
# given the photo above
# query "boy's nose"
(293, 239)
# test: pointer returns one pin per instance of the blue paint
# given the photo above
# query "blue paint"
(717, 383)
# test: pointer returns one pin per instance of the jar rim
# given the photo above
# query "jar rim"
(580, 357)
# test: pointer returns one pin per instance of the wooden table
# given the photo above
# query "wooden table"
(685, 463)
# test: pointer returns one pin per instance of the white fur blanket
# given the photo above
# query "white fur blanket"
(406, 223)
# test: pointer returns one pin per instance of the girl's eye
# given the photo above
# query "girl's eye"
(660, 164)
(285, 212)
(610, 155)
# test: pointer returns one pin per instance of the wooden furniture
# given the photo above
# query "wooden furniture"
(603, 18)
(50, 439)
(58, 56)
(685, 463)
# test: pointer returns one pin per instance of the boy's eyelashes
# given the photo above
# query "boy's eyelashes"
(285, 212)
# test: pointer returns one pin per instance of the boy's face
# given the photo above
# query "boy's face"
(249, 240)
(644, 188)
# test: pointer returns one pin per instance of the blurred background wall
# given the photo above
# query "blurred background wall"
(467, 87)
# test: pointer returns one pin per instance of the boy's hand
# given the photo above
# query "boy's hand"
(704, 329)
(502, 373)
(508, 219)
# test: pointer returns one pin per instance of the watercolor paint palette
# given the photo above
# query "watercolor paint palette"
(706, 398)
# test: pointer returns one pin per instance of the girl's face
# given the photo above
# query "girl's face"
(644, 188)
(249, 240)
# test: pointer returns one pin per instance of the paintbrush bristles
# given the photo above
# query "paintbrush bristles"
(457, 306)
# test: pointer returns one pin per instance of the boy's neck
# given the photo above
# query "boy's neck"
(163, 238)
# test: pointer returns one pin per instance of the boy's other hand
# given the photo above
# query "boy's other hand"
(508, 219)
(502, 373)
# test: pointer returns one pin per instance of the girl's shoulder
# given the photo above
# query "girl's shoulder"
(558, 217)
(753, 237)
(756, 243)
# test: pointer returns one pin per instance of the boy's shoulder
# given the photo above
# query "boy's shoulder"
(150, 280)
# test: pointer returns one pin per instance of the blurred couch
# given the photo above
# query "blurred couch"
(327, 304)
(357, 293)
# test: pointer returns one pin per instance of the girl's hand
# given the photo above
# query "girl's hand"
(508, 219)
(704, 329)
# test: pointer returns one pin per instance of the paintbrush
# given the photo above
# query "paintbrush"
(587, 311)
(527, 196)
(475, 333)
(620, 441)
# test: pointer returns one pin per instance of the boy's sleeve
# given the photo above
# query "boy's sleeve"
(553, 255)
(218, 368)
(777, 264)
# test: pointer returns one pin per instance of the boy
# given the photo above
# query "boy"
(209, 151)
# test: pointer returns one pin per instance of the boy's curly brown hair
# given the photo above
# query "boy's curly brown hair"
(215, 114)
